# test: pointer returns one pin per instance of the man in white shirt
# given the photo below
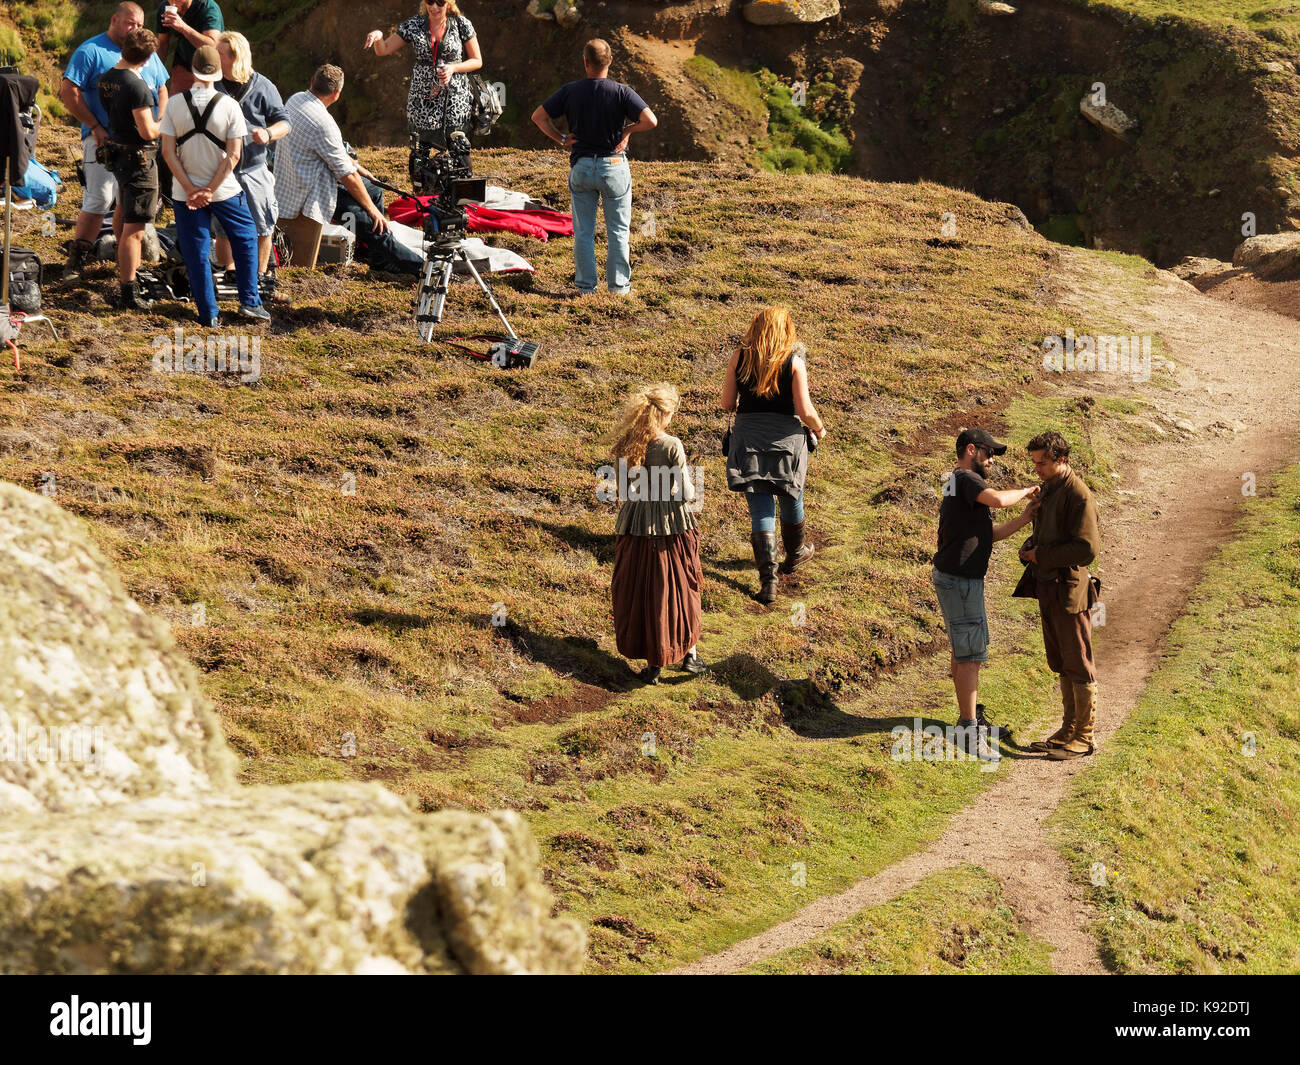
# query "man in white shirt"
(202, 137)
(311, 163)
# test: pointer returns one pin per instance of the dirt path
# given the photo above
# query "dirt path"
(1238, 385)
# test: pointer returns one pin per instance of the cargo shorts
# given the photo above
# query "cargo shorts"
(962, 601)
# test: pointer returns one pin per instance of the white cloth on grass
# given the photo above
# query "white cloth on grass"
(484, 257)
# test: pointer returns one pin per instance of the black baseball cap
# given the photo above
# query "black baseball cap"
(979, 438)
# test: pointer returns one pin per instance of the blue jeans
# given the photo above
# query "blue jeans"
(762, 511)
(194, 235)
(610, 182)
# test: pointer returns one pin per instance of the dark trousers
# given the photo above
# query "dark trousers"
(1067, 637)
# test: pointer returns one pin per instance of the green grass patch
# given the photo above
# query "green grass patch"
(810, 136)
(955, 922)
(1185, 830)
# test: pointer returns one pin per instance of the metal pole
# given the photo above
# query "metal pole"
(4, 285)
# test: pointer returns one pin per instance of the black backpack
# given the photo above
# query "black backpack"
(24, 280)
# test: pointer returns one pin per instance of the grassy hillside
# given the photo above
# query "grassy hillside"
(1277, 21)
(1184, 833)
(351, 522)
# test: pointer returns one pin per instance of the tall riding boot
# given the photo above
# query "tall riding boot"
(1061, 736)
(1085, 710)
(764, 545)
(796, 551)
(78, 254)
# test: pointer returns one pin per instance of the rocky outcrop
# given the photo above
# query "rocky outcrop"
(566, 13)
(788, 12)
(992, 7)
(1270, 255)
(1194, 266)
(96, 706)
(1109, 118)
(127, 846)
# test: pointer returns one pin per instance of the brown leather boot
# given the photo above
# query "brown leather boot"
(1061, 736)
(78, 253)
(764, 545)
(796, 551)
(1085, 710)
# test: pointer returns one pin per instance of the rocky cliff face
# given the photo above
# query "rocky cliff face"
(985, 98)
(127, 845)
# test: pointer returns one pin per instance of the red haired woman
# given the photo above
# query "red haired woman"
(776, 426)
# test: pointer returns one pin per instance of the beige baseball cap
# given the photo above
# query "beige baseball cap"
(206, 65)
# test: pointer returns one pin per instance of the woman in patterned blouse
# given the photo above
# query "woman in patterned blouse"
(438, 103)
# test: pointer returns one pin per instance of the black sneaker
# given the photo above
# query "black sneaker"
(650, 675)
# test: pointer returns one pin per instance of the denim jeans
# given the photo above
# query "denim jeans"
(194, 235)
(962, 601)
(609, 180)
(762, 510)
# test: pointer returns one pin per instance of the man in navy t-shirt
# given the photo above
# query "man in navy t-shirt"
(966, 538)
(601, 115)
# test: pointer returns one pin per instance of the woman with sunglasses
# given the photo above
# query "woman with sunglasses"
(439, 101)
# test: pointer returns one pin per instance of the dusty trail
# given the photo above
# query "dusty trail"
(1238, 384)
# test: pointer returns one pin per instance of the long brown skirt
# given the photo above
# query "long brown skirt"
(657, 582)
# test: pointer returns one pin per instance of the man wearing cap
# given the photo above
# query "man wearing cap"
(202, 138)
(1057, 556)
(966, 538)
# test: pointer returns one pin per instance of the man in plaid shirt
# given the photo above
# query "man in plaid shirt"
(311, 163)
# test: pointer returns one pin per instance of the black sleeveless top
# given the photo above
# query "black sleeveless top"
(781, 402)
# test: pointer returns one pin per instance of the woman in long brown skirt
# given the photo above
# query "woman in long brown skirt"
(657, 574)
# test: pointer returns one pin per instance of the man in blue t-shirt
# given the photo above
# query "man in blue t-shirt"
(79, 92)
(601, 115)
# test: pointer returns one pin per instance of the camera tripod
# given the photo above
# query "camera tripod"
(431, 297)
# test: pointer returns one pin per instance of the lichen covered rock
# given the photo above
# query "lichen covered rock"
(1109, 118)
(319, 878)
(136, 852)
(96, 705)
(788, 12)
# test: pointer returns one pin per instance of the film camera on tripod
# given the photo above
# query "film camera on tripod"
(448, 175)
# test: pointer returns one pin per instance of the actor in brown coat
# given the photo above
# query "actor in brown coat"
(1057, 556)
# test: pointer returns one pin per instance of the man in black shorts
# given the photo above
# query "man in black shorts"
(132, 150)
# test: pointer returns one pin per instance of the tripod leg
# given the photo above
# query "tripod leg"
(440, 297)
(488, 293)
(429, 303)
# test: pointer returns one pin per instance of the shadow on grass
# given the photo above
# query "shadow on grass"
(575, 656)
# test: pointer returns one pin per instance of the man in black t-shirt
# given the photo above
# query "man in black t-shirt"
(602, 114)
(966, 538)
(133, 154)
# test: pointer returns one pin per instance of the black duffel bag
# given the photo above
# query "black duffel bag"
(24, 280)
